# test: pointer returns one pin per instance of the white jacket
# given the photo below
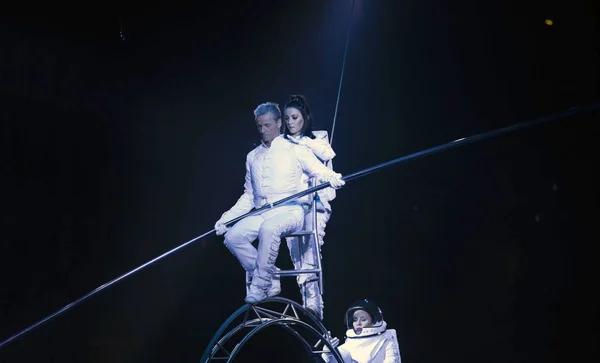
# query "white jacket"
(323, 151)
(373, 345)
(273, 173)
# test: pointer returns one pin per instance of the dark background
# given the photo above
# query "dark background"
(115, 151)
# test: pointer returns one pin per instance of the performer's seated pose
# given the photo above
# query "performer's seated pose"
(298, 125)
(367, 339)
(273, 172)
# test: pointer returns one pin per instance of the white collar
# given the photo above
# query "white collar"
(263, 143)
(367, 332)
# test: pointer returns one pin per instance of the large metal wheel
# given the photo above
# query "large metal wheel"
(249, 320)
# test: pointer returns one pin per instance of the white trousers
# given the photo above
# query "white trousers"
(269, 226)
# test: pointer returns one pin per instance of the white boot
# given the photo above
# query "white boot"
(255, 295)
(275, 284)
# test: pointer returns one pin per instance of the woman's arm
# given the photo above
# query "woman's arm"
(392, 353)
(319, 147)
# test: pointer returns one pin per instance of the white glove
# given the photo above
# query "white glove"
(336, 181)
(333, 341)
(221, 228)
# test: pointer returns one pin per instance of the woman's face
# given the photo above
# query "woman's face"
(361, 319)
(293, 120)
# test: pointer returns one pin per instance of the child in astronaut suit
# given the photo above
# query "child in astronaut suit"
(367, 339)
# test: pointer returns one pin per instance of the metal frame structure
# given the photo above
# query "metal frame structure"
(249, 320)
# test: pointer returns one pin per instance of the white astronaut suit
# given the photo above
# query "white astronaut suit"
(272, 173)
(301, 246)
(376, 344)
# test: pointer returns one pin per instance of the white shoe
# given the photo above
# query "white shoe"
(273, 291)
(255, 295)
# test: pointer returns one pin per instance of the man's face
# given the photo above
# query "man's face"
(268, 127)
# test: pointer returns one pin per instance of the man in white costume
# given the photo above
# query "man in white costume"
(273, 172)
(367, 339)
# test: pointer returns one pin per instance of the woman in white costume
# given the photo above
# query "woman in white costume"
(367, 339)
(298, 129)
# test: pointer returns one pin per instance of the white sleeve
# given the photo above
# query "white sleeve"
(320, 148)
(245, 203)
(346, 356)
(327, 357)
(392, 352)
(312, 166)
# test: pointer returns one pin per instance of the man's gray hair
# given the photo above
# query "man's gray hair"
(267, 107)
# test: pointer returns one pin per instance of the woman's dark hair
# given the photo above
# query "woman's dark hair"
(299, 102)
